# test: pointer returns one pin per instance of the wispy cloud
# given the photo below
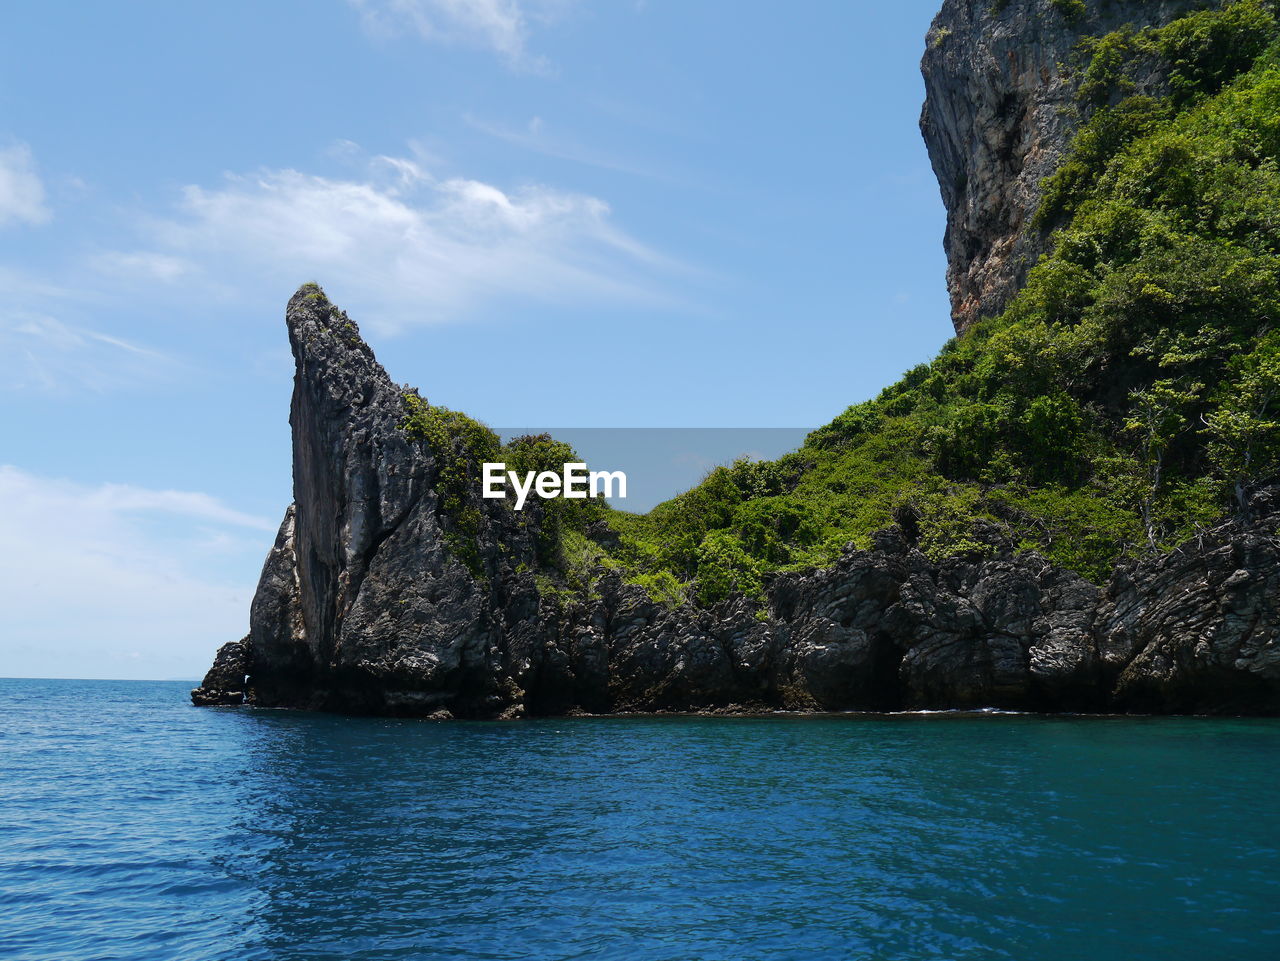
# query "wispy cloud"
(40, 352)
(502, 26)
(126, 569)
(147, 264)
(402, 245)
(21, 189)
(536, 137)
(122, 499)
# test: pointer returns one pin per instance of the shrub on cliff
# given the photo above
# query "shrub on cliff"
(1128, 396)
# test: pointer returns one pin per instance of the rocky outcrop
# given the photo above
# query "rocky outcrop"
(1000, 107)
(365, 604)
(390, 589)
(225, 681)
(361, 604)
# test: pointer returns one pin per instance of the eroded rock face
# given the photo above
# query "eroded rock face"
(225, 681)
(363, 606)
(1195, 631)
(1000, 109)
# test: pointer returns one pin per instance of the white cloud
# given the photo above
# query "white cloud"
(141, 264)
(40, 352)
(400, 245)
(112, 580)
(21, 190)
(502, 26)
(117, 499)
(535, 136)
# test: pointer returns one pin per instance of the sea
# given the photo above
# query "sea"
(134, 826)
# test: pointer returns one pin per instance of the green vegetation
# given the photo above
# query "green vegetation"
(1072, 10)
(1199, 53)
(1129, 396)
(559, 518)
(1131, 393)
(461, 445)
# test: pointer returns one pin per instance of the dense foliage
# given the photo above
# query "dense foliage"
(1128, 396)
(462, 446)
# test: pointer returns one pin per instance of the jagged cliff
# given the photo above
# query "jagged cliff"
(394, 588)
(364, 606)
(1000, 107)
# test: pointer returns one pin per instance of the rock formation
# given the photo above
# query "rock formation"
(1000, 107)
(364, 605)
(225, 681)
(376, 597)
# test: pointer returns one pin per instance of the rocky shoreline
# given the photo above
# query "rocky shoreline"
(363, 607)
(366, 606)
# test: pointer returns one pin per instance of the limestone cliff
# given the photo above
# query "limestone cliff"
(1000, 108)
(364, 604)
(392, 587)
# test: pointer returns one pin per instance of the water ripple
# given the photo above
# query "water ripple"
(133, 826)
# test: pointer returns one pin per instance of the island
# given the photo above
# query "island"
(1072, 508)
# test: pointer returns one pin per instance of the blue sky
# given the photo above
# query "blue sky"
(552, 212)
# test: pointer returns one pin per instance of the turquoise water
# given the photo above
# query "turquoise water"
(134, 826)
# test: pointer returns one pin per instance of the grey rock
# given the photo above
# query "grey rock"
(1000, 108)
(361, 605)
(225, 681)
(1196, 631)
